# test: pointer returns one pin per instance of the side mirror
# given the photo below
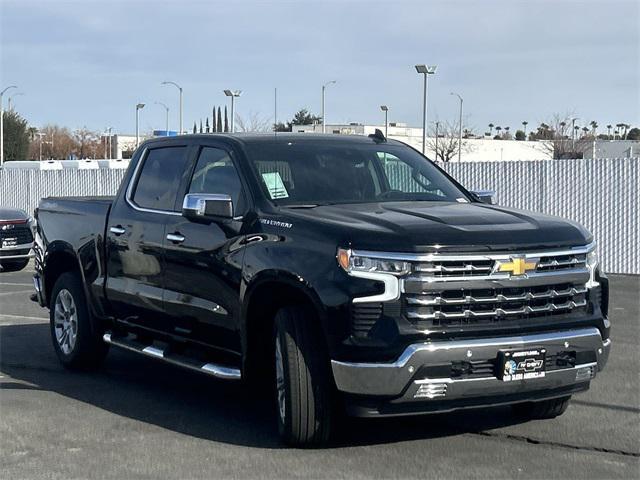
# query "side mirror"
(485, 196)
(207, 207)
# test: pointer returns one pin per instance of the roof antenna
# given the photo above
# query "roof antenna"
(378, 136)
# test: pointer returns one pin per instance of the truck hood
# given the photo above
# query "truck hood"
(12, 214)
(425, 226)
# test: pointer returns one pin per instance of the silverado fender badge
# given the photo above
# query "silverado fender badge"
(275, 223)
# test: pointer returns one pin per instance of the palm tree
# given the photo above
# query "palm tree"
(585, 130)
(619, 127)
(609, 127)
(490, 129)
(524, 125)
(498, 128)
(594, 127)
(626, 127)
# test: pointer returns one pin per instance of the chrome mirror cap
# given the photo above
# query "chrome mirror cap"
(207, 206)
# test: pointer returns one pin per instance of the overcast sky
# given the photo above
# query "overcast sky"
(87, 63)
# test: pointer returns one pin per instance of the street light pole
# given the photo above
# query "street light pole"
(233, 94)
(460, 127)
(109, 130)
(437, 128)
(139, 107)
(573, 135)
(180, 89)
(385, 109)
(2, 125)
(167, 122)
(41, 134)
(324, 87)
(426, 70)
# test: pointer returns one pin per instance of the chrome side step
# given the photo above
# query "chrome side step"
(218, 371)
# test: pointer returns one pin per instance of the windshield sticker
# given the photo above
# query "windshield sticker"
(275, 185)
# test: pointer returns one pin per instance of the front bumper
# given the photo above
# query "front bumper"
(16, 252)
(401, 382)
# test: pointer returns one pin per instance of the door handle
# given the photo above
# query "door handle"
(117, 230)
(175, 237)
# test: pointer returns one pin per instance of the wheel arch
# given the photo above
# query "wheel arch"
(262, 299)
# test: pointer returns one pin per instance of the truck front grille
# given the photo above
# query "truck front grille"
(21, 232)
(447, 268)
(490, 305)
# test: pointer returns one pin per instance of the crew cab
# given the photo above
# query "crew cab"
(338, 272)
(16, 239)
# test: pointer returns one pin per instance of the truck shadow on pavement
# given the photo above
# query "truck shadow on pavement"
(148, 391)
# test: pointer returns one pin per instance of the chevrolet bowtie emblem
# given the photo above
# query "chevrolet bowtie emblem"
(518, 266)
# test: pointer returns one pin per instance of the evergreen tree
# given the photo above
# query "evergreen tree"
(220, 129)
(226, 120)
(200, 125)
(207, 125)
(214, 123)
(195, 128)
(16, 136)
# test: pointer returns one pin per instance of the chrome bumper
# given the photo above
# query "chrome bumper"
(17, 247)
(399, 379)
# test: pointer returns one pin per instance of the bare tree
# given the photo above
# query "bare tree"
(447, 141)
(86, 143)
(254, 122)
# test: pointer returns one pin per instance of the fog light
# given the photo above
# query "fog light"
(585, 373)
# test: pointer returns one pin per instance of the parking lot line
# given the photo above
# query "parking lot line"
(20, 317)
(17, 291)
(8, 284)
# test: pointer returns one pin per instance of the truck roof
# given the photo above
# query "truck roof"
(245, 138)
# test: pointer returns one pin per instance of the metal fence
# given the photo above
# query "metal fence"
(601, 194)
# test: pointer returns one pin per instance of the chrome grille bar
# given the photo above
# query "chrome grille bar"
(498, 312)
(468, 299)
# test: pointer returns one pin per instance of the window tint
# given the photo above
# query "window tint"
(160, 178)
(215, 173)
(309, 172)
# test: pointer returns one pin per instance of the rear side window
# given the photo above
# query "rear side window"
(160, 178)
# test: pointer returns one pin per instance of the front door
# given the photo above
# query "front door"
(204, 260)
(136, 233)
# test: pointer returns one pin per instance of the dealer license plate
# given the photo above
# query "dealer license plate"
(9, 242)
(521, 364)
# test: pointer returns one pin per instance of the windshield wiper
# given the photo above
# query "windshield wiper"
(308, 205)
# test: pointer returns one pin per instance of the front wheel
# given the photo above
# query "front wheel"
(542, 410)
(304, 389)
(76, 343)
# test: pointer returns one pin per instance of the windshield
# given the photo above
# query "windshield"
(323, 172)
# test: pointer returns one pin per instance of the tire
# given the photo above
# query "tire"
(304, 390)
(76, 343)
(14, 265)
(542, 410)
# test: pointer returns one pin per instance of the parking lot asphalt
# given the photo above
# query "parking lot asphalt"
(138, 418)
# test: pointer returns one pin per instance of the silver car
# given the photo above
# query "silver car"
(16, 239)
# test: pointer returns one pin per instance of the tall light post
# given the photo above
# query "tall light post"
(573, 134)
(110, 151)
(167, 122)
(233, 94)
(437, 129)
(2, 125)
(385, 109)
(426, 70)
(459, 127)
(9, 106)
(180, 89)
(324, 87)
(41, 134)
(139, 107)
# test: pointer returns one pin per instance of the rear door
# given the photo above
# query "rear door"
(204, 261)
(136, 232)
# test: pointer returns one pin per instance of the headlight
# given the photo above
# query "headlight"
(351, 262)
(592, 265)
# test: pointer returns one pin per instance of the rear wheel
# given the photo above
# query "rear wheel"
(13, 265)
(541, 410)
(76, 343)
(304, 389)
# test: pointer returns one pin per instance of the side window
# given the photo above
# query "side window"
(160, 178)
(215, 173)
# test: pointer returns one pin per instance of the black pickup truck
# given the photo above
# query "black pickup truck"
(341, 273)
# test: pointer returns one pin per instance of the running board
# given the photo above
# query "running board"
(212, 369)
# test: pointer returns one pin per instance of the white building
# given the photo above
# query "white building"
(612, 149)
(473, 149)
